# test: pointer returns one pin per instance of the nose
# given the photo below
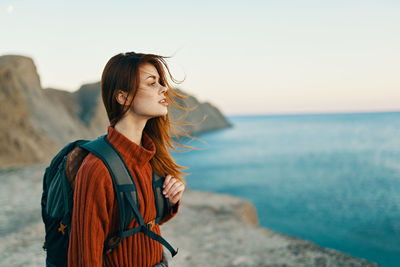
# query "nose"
(163, 89)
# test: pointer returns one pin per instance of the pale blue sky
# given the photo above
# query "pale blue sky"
(246, 57)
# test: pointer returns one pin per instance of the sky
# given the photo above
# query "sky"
(245, 57)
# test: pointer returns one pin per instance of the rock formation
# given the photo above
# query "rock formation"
(203, 116)
(21, 140)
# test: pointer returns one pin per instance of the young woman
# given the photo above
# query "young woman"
(135, 92)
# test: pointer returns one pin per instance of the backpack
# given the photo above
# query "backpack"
(57, 199)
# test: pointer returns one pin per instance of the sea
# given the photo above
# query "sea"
(333, 179)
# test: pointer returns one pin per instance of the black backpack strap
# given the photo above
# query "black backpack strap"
(162, 203)
(120, 176)
(126, 191)
(145, 229)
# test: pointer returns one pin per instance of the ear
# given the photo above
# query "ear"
(121, 96)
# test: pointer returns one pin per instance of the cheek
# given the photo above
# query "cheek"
(142, 96)
(143, 101)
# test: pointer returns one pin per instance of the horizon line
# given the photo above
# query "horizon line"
(294, 113)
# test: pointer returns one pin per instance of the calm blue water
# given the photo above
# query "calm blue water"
(333, 179)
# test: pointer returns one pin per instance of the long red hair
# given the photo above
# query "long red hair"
(121, 73)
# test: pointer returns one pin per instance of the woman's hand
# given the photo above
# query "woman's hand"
(173, 189)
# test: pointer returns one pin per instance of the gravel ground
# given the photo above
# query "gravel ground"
(209, 230)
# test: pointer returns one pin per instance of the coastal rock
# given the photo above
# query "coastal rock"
(85, 105)
(209, 230)
(202, 117)
(20, 140)
(44, 115)
(35, 123)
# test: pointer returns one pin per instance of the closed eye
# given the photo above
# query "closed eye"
(153, 83)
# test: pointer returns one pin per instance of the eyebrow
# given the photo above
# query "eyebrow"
(151, 76)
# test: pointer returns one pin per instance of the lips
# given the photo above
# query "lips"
(164, 100)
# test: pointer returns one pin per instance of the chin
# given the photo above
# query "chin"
(160, 114)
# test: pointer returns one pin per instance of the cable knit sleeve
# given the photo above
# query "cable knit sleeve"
(93, 201)
(173, 211)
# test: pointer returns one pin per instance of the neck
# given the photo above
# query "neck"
(132, 127)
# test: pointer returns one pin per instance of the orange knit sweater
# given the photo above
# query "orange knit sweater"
(96, 214)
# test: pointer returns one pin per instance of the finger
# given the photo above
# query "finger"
(176, 197)
(177, 187)
(173, 188)
(169, 185)
(177, 190)
(166, 180)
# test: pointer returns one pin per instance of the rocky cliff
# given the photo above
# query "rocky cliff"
(203, 117)
(21, 138)
(35, 123)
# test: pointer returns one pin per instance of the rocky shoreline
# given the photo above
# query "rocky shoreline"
(210, 230)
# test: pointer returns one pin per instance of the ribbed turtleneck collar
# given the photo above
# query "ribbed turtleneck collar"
(131, 152)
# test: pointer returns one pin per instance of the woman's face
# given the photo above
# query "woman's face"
(149, 93)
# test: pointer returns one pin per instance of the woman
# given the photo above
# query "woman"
(136, 97)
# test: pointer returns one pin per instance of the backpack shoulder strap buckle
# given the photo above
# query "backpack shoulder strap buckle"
(111, 243)
(151, 224)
